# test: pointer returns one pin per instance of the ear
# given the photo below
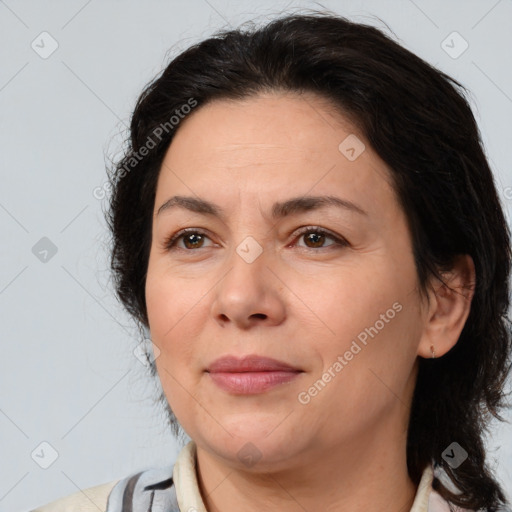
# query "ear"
(449, 308)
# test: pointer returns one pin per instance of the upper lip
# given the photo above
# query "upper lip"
(251, 363)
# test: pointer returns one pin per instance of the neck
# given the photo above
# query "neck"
(370, 474)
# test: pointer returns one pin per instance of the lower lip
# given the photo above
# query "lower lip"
(249, 383)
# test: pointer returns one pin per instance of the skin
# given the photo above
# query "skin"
(297, 302)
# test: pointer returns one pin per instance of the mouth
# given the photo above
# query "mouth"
(251, 374)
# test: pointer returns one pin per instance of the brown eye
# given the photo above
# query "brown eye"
(193, 240)
(315, 238)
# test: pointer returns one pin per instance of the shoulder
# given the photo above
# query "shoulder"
(138, 491)
(92, 499)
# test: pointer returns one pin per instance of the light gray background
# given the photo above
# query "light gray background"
(68, 375)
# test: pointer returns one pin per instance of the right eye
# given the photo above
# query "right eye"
(192, 239)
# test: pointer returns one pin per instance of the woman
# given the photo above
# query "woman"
(306, 225)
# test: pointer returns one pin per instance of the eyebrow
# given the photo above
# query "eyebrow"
(279, 209)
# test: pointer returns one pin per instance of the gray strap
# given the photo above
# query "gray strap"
(152, 490)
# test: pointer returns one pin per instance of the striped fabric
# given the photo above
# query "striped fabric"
(152, 490)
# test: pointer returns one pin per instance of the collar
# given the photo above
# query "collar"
(189, 496)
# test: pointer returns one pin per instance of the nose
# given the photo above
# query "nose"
(249, 294)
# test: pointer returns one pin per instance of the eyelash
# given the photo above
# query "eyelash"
(170, 242)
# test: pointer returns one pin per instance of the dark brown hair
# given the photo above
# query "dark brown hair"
(419, 122)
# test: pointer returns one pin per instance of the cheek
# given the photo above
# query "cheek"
(168, 297)
(173, 307)
(173, 314)
(350, 300)
(372, 317)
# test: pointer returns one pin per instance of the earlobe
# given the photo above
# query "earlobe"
(450, 304)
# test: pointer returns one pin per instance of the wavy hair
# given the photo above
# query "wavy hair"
(420, 123)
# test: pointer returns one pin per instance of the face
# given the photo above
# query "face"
(329, 288)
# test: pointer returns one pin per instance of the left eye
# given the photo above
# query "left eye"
(317, 236)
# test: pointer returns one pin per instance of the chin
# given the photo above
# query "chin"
(253, 449)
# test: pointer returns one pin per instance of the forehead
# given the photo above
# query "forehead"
(305, 125)
(272, 146)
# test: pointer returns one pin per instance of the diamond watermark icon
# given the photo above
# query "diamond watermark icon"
(44, 455)
(249, 454)
(249, 249)
(454, 45)
(44, 250)
(44, 45)
(455, 455)
(351, 147)
(141, 353)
